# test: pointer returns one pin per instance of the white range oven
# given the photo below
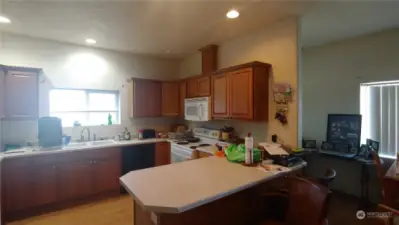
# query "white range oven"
(180, 153)
(197, 109)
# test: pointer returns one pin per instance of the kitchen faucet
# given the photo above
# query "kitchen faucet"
(82, 137)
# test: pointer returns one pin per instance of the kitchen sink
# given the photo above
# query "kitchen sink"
(88, 144)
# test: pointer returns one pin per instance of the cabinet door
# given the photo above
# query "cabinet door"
(220, 96)
(146, 98)
(182, 96)
(75, 180)
(21, 95)
(140, 107)
(106, 173)
(241, 94)
(153, 99)
(16, 184)
(170, 99)
(44, 184)
(2, 94)
(192, 88)
(204, 86)
(106, 170)
(162, 153)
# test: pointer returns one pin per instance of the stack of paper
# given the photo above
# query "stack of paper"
(273, 149)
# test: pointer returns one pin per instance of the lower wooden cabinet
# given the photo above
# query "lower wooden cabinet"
(75, 180)
(16, 176)
(44, 184)
(31, 182)
(162, 153)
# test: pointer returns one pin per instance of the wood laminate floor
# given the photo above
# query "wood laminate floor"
(113, 211)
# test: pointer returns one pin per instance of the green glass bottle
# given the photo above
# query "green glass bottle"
(109, 119)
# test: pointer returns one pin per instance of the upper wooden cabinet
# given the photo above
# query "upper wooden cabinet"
(209, 59)
(204, 86)
(170, 98)
(220, 96)
(145, 98)
(21, 95)
(198, 87)
(182, 96)
(192, 88)
(241, 92)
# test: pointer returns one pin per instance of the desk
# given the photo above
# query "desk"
(391, 186)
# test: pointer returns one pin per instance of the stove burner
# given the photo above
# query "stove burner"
(203, 145)
(193, 140)
(182, 143)
(193, 147)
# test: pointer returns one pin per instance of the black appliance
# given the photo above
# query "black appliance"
(285, 160)
(138, 157)
(50, 132)
(149, 133)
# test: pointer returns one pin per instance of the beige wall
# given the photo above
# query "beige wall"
(276, 44)
(72, 66)
(332, 75)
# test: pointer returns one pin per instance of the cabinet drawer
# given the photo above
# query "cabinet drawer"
(45, 160)
(106, 153)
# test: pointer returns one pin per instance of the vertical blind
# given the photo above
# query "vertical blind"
(379, 106)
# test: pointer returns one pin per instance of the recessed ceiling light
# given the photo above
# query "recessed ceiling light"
(4, 19)
(90, 41)
(232, 14)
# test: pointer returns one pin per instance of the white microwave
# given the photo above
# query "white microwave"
(197, 109)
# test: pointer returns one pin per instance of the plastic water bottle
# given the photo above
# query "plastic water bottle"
(249, 146)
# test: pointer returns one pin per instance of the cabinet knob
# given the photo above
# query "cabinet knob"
(54, 167)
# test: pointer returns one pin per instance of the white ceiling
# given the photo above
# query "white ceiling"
(182, 26)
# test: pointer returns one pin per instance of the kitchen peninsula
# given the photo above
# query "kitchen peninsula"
(204, 191)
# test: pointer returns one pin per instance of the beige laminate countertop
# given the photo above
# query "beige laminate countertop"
(32, 152)
(179, 187)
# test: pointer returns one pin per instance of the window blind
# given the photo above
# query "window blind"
(379, 106)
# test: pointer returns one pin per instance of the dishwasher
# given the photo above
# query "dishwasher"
(138, 157)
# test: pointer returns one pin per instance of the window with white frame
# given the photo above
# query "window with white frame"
(86, 107)
(379, 106)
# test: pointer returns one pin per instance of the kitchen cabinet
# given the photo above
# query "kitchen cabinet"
(209, 58)
(182, 96)
(2, 94)
(106, 170)
(21, 95)
(75, 180)
(32, 182)
(44, 184)
(204, 86)
(162, 153)
(170, 98)
(241, 92)
(198, 86)
(220, 96)
(15, 186)
(145, 98)
(192, 88)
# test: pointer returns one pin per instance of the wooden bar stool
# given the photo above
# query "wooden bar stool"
(307, 203)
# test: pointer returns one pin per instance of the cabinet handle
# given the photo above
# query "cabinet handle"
(91, 162)
(94, 161)
(54, 167)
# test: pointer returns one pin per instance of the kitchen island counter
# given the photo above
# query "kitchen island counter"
(179, 187)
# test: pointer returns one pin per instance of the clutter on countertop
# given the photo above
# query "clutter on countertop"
(236, 153)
